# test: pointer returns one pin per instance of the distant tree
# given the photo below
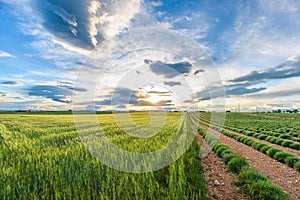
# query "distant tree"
(277, 111)
(295, 111)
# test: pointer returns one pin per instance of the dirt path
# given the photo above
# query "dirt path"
(215, 169)
(280, 174)
(293, 151)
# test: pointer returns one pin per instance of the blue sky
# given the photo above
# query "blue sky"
(252, 45)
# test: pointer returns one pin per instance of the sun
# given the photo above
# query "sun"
(154, 98)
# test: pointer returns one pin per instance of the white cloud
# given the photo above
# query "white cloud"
(262, 39)
(93, 21)
(104, 19)
(117, 15)
(4, 54)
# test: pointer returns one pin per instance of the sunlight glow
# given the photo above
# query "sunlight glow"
(154, 98)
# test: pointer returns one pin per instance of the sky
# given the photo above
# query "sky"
(141, 55)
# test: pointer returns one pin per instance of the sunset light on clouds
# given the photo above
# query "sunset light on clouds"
(254, 46)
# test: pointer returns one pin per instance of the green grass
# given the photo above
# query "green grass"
(228, 157)
(281, 131)
(259, 146)
(236, 164)
(286, 143)
(264, 149)
(282, 156)
(295, 146)
(258, 187)
(220, 151)
(291, 160)
(297, 166)
(42, 157)
(272, 151)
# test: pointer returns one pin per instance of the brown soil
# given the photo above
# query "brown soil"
(215, 169)
(280, 174)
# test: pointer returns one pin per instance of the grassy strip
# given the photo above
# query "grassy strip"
(279, 139)
(272, 139)
(284, 157)
(254, 184)
(273, 152)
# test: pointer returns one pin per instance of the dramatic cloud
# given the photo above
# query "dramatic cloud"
(2, 94)
(247, 41)
(55, 93)
(120, 96)
(158, 92)
(78, 89)
(169, 70)
(121, 106)
(65, 82)
(86, 23)
(4, 54)
(216, 92)
(242, 91)
(10, 83)
(198, 71)
(288, 69)
(172, 83)
(124, 96)
(68, 85)
(191, 101)
(159, 103)
(276, 94)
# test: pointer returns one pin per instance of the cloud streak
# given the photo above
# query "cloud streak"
(230, 90)
(169, 70)
(288, 69)
(60, 93)
(276, 94)
(2, 94)
(10, 83)
(120, 96)
(4, 54)
(172, 83)
(158, 103)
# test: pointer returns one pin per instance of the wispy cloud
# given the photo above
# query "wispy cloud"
(275, 93)
(120, 96)
(158, 103)
(59, 92)
(2, 94)
(216, 92)
(247, 85)
(288, 69)
(11, 83)
(4, 54)
(264, 33)
(172, 83)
